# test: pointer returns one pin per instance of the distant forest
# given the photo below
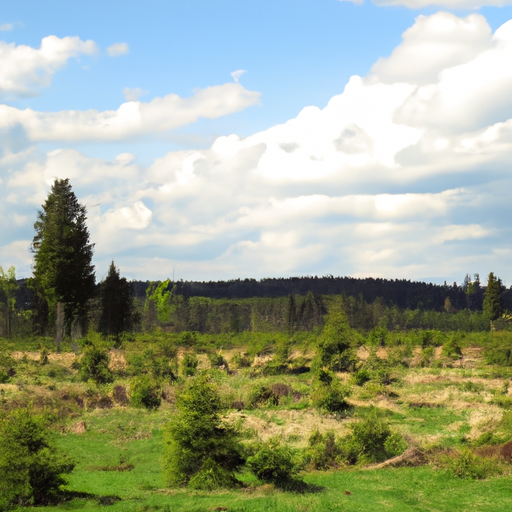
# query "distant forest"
(393, 292)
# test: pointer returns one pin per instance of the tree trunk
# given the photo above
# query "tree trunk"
(59, 325)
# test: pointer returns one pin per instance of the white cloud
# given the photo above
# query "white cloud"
(237, 74)
(431, 45)
(26, 69)
(398, 176)
(118, 49)
(6, 27)
(133, 94)
(133, 118)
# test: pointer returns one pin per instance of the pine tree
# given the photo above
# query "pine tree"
(492, 306)
(63, 273)
(117, 309)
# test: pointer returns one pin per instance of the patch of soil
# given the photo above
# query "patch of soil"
(78, 428)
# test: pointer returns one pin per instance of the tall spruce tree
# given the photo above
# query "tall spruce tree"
(117, 309)
(493, 306)
(63, 273)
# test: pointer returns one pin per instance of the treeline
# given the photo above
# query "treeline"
(402, 293)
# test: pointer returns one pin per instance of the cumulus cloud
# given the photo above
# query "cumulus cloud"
(405, 173)
(25, 69)
(133, 118)
(118, 49)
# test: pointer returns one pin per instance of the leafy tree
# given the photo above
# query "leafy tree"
(492, 306)
(8, 288)
(63, 273)
(31, 469)
(117, 308)
(198, 442)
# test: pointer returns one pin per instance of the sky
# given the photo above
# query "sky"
(224, 139)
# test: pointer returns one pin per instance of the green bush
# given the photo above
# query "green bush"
(31, 468)
(240, 360)
(371, 440)
(275, 463)
(262, 395)
(189, 364)
(336, 346)
(197, 434)
(330, 395)
(145, 392)
(463, 463)
(323, 451)
(94, 365)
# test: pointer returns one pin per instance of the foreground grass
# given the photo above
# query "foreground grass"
(133, 439)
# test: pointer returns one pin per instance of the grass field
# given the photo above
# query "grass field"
(118, 448)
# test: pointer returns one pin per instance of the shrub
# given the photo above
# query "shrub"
(464, 463)
(330, 395)
(240, 360)
(189, 364)
(336, 344)
(197, 441)
(274, 463)
(361, 377)
(323, 451)
(31, 469)
(145, 392)
(94, 365)
(212, 476)
(262, 395)
(371, 441)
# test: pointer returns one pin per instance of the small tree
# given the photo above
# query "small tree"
(31, 469)
(198, 442)
(94, 365)
(117, 308)
(335, 345)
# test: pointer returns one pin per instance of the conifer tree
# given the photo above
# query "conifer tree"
(492, 306)
(63, 272)
(117, 309)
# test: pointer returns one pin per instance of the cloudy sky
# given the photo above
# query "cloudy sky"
(217, 139)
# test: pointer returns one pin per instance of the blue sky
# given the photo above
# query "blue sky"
(360, 139)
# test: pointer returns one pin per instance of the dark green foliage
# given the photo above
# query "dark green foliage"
(145, 392)
(117, 308)
(63, 272)
(197, 434)
(31, 469)
(8, 288)
(189, 364)
(275, 463)
(94, 365)
(493, 304)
